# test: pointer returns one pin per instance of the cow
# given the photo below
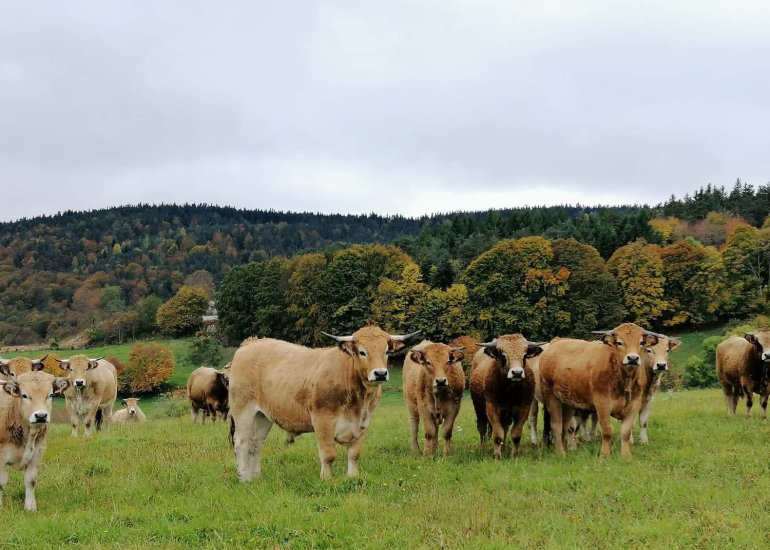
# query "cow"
(207, 390)
(656, 364)
(132, 414)
(743, 369)
(25, 412)
(11, 368)
(92, 392)
(605, 376)
(534, 364)
(434, 383)
(502, 389)
(330, 391)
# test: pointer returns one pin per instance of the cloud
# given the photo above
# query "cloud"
(399, 106)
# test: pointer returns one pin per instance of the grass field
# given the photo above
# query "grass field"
(704, 482)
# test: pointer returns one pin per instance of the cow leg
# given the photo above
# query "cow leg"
(594, 425)
(30, 479)
(517, 430)
(414, 427)
(290, 437)
(644, 417)
(107, 415)
(449, 423)
(727, 391)
(763, 404)
(532, 420)
(354, 454)
(569, 426)
(327, 449)
(482, 422)
(626, 427)
(193, 414)
(749, 391)
(554, 409)
(91, 419)
(250, 433)
(498, 431)
(74, 418)
(430, 427)
(605, 421)
(3, 481)
(736, 398)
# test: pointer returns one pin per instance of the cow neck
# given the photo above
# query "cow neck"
(352, 379)
(13, 420)
(626, 378)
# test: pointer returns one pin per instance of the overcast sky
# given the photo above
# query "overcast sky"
(396, 106)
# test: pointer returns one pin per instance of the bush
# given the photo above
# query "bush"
(120, 369)
(150, 366)
(183, 314)
(701, 370)
(53, 343)
(471, 347)
(172, 407)
(51, 366)
(205, 351)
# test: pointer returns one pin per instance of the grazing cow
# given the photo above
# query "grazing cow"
(92, 393)
(25, 411)
(743, 369)
(502, 388)
(329, 391)
(207, 389)
(606, 376)
(433, 387)
(131, 414)
(655, 363)
(11, 368)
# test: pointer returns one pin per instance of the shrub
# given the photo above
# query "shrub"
(120, 369)
(53, 343)
(51, 366)
(172, 407)
(183, 314)
(471, 347)
(205, 351)
(701, 370)
(150, 366)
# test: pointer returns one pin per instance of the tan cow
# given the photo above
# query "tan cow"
(656, 364)
(132, 414)
(534, 364)
(11, 368)
(743, 369)
(329, 391)
(434, 383)
(92, 394)
(606, 376)
(502, 388)
(25, 411)
(207, 390)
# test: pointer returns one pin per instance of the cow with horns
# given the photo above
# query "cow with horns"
(92, 392)
(11, 369)
(743, 369)
(331, 391)
(502, 388)
(607, 376)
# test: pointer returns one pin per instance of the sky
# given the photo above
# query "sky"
(406, 107)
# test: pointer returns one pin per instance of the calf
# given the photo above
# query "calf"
(11, 368)
(92, 392)
(207, 390)
(25, 411)
(433, 387)
(502, 388)
(743, 369)
(656, 364)
(607, 377)
(131, 414)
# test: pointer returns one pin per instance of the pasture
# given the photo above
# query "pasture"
(704, 482)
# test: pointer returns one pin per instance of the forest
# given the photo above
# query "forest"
(546, 271)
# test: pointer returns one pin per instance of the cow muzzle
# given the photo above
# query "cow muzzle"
(132, 411)
(80, 383)
(765, 356)
(631, 360)
(516, 374)
(440, 383)
(39, 417)
(379, 375)
(661, 367)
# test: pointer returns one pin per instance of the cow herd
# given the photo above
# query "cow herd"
(334, 391)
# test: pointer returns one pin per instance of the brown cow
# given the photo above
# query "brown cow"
(434, 383)
(329, 391)
(656, 364)
(606, 376)
(502, 388)
(207, 389)
(25, 411)
(11, 368)
(92, 394)
(743, 369)
(132, 414)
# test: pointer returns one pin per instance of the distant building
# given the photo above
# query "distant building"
(211, 319)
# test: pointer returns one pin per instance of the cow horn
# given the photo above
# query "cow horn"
(402, 337)
(39, 361)
(492, 344)
(604, 332)
(747, 333)
(457, 349)
(97, 359)
(338, 338)
(655, 334)
(61, 360)
(4, 362)
(535, 344)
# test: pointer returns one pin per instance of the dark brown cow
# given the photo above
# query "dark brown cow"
(502, 389)
(743, 369)
(208, 393)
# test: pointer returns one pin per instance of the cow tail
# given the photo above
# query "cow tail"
(547, 433)
(98, 419)
(232, 432)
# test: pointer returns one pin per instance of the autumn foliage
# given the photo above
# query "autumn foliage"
(150, 365)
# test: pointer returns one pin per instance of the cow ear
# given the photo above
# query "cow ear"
(124, 402)
(492, 352)
(11, 388)
(60, 385)
(534, 351)
(608, 339)
(417, 357)
(92, 365)
(5, 368)
(395, 345)
(349, 348)
(37, 366)
(674, 343)
(456, 356)
(752, 339)
(138, 399)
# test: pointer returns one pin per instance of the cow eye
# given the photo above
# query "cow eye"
(363, 353)
(620, 343)
(649, 350)
(24, 396)
(50, 395)
(429, 363)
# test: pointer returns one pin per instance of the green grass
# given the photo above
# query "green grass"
(704, 482)
(692, 342)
